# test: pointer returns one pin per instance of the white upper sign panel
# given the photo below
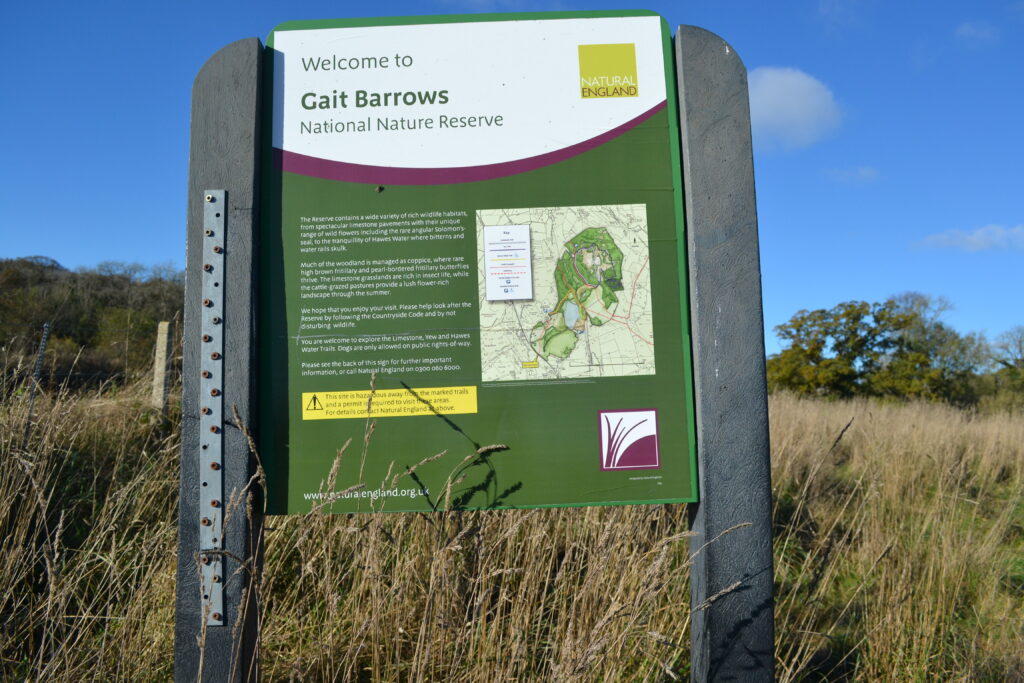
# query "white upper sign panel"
(461, 95)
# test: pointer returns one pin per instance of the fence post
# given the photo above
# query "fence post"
(218, 364)
(161, 367)
(732, 619)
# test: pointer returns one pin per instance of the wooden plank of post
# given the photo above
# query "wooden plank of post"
(224, 153)
(731, 597)
(161, 366)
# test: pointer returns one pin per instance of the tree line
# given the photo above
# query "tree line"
(103, 320)
(897, 349)
(103, 324)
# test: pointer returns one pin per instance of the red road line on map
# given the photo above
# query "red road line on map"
(621, 322)
(632, 291)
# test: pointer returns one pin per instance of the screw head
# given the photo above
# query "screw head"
(214, 465)
(214, 356)
(217, 249)
(215, 503)
(214, 392)
(207, 267)
(205, 521)
(205, 559)
(209, 198)
(216, 616)
(207, 338)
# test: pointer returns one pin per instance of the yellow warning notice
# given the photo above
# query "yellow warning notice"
(336, 405)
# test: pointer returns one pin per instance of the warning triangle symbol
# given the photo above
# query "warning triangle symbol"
(314, 404)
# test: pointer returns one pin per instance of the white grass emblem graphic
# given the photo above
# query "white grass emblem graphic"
(629, 439)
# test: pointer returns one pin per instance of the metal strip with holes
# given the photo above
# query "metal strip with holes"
(211, 408)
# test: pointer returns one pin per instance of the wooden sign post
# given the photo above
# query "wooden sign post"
(220, 513)
(732, 617)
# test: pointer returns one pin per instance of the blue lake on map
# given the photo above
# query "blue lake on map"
(571, 313)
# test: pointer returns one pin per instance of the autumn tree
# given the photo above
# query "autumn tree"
(834, 352)
(1007, 380)
(897, 348)
(1008, 350)
(933, 361)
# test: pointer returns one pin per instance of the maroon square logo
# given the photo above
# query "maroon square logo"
(629, 439)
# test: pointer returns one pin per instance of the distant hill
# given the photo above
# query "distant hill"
(102, 320)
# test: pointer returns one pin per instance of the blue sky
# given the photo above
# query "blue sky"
(887, 135)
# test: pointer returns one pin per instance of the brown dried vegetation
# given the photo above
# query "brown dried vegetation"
(899, 538)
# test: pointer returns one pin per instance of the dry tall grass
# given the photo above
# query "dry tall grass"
(899, 555)
(89, 538)
(900, 546)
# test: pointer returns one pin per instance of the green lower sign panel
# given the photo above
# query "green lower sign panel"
(473, 266)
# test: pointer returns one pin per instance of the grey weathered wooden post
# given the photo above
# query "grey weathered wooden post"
(732, 630)
(216, 635)
(161, 366)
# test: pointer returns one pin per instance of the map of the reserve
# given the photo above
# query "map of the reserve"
(590, 315)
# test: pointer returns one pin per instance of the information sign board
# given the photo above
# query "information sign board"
(472, 235)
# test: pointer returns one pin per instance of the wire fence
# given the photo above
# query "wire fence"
(45, 361)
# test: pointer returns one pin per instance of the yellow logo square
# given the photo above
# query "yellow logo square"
(608, 70)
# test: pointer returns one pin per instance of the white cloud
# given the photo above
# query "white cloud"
(789, 108)
(987, 238)
(856, 174)
(976, 33)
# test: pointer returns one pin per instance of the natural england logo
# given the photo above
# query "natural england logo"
(608, 70)
(629, 439)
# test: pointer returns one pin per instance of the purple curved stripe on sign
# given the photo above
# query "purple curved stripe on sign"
(302, 164)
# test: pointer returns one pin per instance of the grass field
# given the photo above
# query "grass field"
(899, 555)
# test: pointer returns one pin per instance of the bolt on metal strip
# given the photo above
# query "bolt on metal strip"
(211, 406)
(212, 585)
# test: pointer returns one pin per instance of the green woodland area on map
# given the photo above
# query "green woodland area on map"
(586, 278)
